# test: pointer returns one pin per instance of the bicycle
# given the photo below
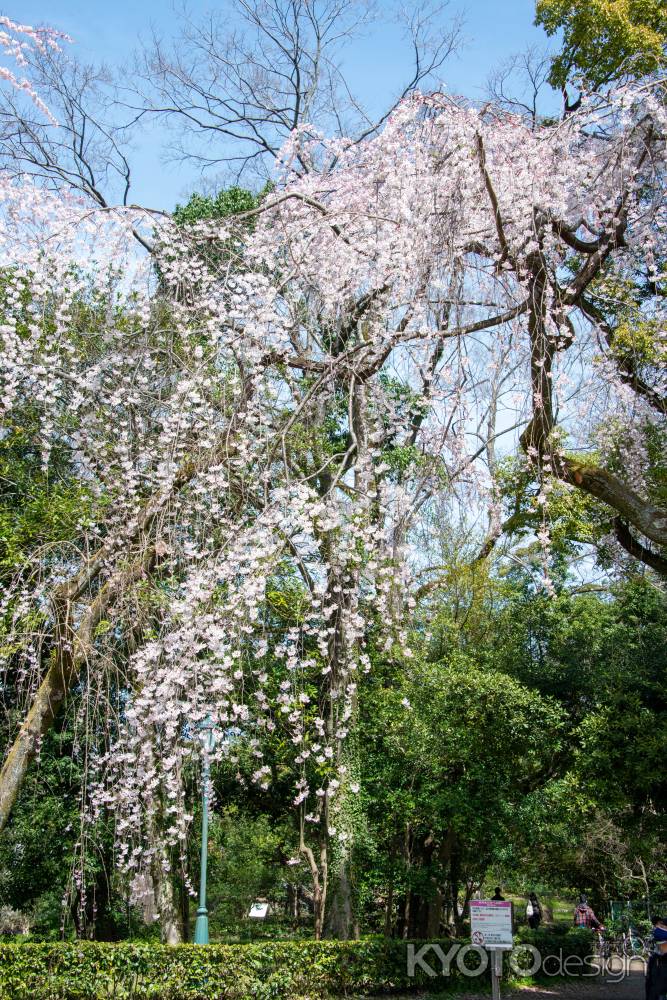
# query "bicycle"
(632, 945)
(604, 945)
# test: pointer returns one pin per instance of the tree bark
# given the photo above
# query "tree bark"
(292, 902)
(434, 916)
(637, 550)
(650, 520)
(319, 876)
(642, 514)
(319, 909)
(454, 887)
(389, 910)
(184, 899)
(72, 647)
(166, 901)
(340, 916)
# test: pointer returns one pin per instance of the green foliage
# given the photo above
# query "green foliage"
(574, 518)
(598, 656)
(230, 201)
(244, 855)
(469, 747)
(603, 660)
(37, 848)
(605, 39)
(42, 846)
(655, 444)
(292, 970)
(225, 250)
(640, 343)
(455, 759)
(36, 509)
(43, 502)
(573, 943)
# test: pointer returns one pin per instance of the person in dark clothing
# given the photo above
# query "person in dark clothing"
(497, 896)
(533, 912)
(656, 971)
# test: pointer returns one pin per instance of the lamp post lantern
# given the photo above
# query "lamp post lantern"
(207, 728)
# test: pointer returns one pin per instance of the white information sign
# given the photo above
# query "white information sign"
(259, 910)
(491, 923)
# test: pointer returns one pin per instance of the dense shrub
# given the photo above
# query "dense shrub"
(258, 971)
(262, 971)
(559, 944)
(573, 940)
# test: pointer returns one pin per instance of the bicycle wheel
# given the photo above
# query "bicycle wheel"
(633, 946)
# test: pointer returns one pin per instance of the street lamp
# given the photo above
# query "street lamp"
(207, 728)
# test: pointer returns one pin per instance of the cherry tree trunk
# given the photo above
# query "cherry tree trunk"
(166, 899)
(46, 704)
(340, 921)
(319, 900)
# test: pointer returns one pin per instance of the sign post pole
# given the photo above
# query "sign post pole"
(491, 928)
(496, 972)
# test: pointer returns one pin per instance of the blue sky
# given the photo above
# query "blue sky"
(109, 30)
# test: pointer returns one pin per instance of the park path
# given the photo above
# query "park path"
(629, 988)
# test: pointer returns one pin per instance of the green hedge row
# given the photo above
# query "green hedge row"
(572, 940)
(260, 971)
(564, 951)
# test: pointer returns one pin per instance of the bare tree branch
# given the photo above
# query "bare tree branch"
(236, 87)
(86, 151)
(516, 85)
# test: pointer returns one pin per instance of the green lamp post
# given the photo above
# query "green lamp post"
(207, 728)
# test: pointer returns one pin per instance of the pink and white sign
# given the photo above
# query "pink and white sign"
(491, 923)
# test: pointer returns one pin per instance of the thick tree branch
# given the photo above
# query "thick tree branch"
(637, 550)
(647, 517)
(626, 369)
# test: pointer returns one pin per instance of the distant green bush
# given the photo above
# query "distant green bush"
(559, 944)
(574, 940)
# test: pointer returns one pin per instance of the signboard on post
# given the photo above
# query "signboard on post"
(259, 910)
(491, 923)
(491, 927)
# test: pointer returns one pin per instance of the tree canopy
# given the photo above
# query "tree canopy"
(605, 39)
(367, 467)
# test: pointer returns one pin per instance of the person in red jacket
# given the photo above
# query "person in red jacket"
(584, 915)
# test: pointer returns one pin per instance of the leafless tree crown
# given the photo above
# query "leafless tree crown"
(234, 92)
(230, 87)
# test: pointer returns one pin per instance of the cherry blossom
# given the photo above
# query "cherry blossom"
(285, 402)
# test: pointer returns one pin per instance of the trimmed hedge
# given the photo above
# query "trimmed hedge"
(261, 971)
(294, 970)
(565, 951)
(550, 940)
